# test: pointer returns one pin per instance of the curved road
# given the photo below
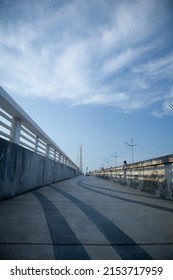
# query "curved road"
(86, 218)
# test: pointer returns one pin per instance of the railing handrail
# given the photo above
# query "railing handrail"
(8, 104)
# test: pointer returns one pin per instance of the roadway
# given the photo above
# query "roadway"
(86, 218)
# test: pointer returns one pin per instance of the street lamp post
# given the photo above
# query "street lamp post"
(107, 161)
(131, 145)
(115, 156)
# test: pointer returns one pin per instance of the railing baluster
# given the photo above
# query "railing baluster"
(16, 129)
(19, 128)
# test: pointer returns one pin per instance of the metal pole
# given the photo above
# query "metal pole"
(115, 158)
(107, 161)
(131, 145)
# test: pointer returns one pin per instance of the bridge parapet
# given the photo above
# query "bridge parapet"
(154, 176)
(18, 127)
(28, 157)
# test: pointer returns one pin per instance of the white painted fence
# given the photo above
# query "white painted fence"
(16, 126)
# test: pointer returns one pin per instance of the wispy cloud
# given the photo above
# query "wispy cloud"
(116, 53)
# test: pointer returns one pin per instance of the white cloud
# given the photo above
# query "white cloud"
(157, 67)
(87, 52)
(119, 61)
(166, 108)
(105, 99)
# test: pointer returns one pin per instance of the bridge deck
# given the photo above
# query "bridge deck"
(86, 218)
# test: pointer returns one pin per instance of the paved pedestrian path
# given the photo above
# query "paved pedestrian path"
(86, 218)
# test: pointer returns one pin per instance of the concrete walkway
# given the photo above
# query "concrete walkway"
(86, 218)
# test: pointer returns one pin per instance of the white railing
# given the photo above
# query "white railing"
(16, 126)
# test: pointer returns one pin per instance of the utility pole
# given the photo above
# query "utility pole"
(115, 156)
(131, 145)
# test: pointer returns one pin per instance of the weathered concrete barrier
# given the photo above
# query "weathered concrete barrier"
(22, 170)
(154, 176)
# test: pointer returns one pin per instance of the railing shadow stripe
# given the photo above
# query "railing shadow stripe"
(61, 233)
(82, 184)
(116, 237)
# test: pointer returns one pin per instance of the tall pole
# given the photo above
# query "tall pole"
(80, 159)
(77, 161)
(115, 156)
(131, 145)
(107, 161)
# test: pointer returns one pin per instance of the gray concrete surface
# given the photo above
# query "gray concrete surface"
(86, 218)
(22, 170)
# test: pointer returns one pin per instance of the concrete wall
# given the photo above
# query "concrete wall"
(154, 176)
(22, 170)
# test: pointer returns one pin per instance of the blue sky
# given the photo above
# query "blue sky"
(95, 73)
